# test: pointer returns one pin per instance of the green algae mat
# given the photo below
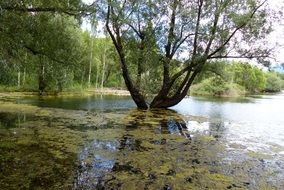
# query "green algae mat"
(48, 148)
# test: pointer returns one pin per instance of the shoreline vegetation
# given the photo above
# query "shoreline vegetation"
(86, 92)
(121, 92)
(218, 79)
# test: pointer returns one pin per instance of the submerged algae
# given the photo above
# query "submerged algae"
(67, 149)
(153, 152)
(35, 158)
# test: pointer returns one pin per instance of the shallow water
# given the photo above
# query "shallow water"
(105, 143)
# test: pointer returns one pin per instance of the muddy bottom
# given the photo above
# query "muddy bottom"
(49, 148)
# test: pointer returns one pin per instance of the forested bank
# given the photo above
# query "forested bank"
(236, 79)
(89, 63)
(43, 48)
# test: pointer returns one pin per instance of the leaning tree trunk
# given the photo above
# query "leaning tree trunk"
(137, 97)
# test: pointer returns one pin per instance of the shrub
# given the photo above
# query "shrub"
(273, 83)
(216, 86)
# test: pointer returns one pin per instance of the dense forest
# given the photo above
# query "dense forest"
(45, 50)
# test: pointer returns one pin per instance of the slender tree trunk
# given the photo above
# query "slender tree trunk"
(139, 75)
(24, 76)
(162, 100)
(19, 79)
(97, 76)
(103, 71)
(41, 83)
(82, 76)
(90, 63)
(139, 64)
(107, 74)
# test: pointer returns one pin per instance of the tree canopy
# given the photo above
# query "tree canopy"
(181, 37)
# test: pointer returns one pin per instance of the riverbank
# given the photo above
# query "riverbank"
(87, 92)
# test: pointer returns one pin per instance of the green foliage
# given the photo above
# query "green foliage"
(252, 78)
(235, 78)
(216, 86)
(274, 83)
(50, 46)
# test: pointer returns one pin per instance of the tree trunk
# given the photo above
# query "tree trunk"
(19, 79)
(90, 64)
(41, 83)
(165, 102)
(103, 71)
(139, 75)
(24, 76)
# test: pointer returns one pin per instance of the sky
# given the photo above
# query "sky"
(276, 38)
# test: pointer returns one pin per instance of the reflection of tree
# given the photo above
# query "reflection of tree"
(217, 128)
(217, 125)
(141, 132)
(12, 120)
(164, 121)
(148, 143)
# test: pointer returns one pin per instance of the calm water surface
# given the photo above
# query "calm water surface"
(103, 142)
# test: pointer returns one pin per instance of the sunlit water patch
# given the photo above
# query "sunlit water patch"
(96, 159)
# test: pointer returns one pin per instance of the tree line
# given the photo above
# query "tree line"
(236, 79)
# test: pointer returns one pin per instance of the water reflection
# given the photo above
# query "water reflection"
(216, 129)
(162, 149)
(95, 161)
(144, 131)
(8, 120)
(88, 103)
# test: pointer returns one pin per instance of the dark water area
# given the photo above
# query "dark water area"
(103, 142)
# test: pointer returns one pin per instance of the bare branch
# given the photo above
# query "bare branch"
(138, 32)
(177, 45)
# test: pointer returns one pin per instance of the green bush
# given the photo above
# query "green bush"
(216, 86)
(273, 83)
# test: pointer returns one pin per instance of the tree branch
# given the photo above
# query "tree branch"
(200, 4)
(238, 56)
(171, 34)
(214, 29)
(68, 11)
(166, 78)
(236, 30)
(37, 52)
(178, 43)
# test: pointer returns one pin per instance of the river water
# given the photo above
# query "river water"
(104, 142)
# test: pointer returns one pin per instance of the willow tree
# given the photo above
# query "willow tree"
(180, 37)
